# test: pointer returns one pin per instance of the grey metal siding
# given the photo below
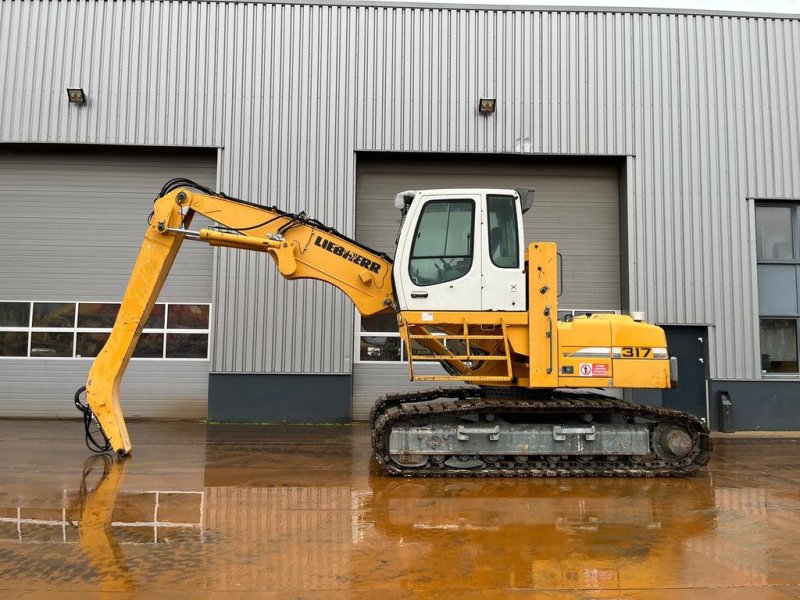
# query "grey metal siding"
(151, 75)
(73, 219)
(706, 108)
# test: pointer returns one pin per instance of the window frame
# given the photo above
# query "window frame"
(517, 258)
(74, 329)
(794, 206)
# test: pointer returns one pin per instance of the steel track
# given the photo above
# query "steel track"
(395, 409)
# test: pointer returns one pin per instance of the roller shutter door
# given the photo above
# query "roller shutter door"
(576, 205)
(73, 220)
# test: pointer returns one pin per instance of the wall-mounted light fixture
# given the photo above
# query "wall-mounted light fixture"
(486, 105)
(76, 95)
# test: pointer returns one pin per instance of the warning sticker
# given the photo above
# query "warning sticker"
(600, 370)
(594, 370)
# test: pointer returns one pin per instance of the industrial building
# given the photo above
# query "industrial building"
(664, 147)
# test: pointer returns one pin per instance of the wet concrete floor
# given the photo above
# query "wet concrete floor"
(303, 512)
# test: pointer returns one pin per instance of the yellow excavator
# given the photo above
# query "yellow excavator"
(468, 295)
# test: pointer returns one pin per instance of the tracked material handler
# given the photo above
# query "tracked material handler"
(468, 295)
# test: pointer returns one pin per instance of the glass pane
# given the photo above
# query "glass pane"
(779, 345)
(54, 314)
(777, 290)
(156, 319)
(150, 345)
(503, 232)
(380, 348)
(442, 249)
(187, 345)
(49, 344)
(445, 229)
(15, 314)
(187, 316)
(13, 343)
(774, 233)
(97, 315)
(382, 323)
(90, 344)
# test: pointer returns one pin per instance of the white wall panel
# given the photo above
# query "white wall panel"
(704, 106)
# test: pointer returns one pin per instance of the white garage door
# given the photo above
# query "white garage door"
(73, 218)
(576, 205)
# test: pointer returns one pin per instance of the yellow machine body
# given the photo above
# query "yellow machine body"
(532, 349)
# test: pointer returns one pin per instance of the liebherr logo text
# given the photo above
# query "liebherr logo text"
(353, 257)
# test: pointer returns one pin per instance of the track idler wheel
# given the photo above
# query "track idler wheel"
(672, 442)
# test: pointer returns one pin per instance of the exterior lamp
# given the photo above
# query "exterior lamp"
(76, 95)
(486, 105)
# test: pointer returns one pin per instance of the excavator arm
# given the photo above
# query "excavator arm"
(302, 248)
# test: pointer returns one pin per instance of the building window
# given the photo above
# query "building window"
(778, 260)
(378, 339)
(80, 329)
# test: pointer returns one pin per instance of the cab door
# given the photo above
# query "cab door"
(439, 251)
(503, 265)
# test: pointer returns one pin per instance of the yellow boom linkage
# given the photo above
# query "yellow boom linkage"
(302, 248)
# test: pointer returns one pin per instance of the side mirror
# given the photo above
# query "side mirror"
(525, 198)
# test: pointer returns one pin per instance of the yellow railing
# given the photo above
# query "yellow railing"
(502, 353)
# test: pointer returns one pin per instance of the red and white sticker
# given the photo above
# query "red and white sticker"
(599, 370)
(594, 370)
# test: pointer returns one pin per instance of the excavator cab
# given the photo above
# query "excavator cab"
(461, 250)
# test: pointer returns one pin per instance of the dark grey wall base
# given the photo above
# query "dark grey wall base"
(258, 398)
(647, 397)
(759, 405)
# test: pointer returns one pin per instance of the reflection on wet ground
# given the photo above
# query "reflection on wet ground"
(302, 512)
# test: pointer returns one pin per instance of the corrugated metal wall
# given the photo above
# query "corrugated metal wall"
(705, 106)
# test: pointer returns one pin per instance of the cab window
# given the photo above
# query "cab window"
(442, 248)
(503, 231)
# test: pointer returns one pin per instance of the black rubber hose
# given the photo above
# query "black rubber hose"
(88, 419)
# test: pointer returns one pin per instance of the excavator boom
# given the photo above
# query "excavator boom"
(302, 248)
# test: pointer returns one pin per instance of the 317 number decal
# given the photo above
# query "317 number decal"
(635, 352)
